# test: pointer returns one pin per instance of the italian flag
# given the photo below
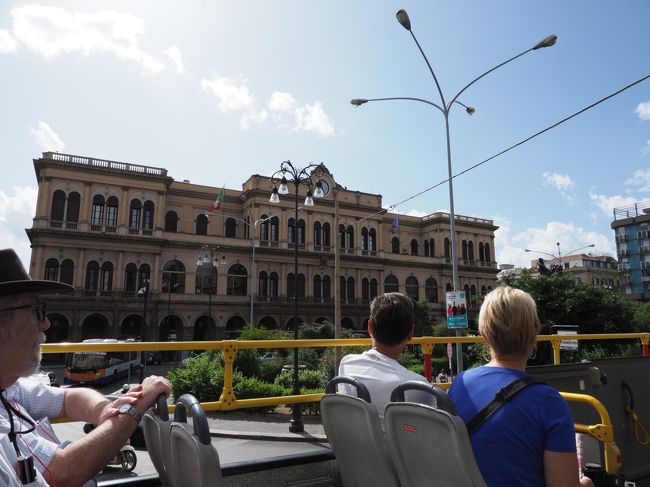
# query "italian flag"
(216, 204)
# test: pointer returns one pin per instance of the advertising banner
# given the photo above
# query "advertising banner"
(456, 309)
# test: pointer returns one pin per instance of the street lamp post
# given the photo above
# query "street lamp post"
(144, 292)
(291, 174)
(210, 260)
(559, 253)
(444, 107)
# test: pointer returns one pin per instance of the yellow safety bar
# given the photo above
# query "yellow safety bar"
(603, 432)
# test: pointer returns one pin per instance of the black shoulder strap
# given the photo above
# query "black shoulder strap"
(500, 398)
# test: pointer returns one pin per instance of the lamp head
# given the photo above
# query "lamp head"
(403, 19)
(546, 42)
(283, 189)
(309, 200)
(318, 191)
(470, 110)
(357, 102)
(274, 196)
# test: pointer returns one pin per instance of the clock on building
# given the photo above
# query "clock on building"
(324, 185)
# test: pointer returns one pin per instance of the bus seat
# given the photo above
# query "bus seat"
(353, 429)
(429, 445)
(155, 424)
(194, 461)
(443, 401)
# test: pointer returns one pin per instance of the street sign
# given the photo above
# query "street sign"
(450, 351)
(456, 309)
(568, 344)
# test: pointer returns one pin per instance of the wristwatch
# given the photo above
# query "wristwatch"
(131, 410)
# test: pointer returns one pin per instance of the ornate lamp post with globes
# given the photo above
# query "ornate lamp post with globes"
(288, 173)
(210, 261)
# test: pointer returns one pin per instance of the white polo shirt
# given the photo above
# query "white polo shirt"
(381, 374)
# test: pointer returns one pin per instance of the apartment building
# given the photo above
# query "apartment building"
(631, 226)
(147, 261)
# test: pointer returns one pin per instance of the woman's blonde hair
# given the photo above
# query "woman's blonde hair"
(508, 321)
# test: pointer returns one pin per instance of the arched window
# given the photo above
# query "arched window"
(372, 240)
(275, 229)
(470, 251)
(58, 206)
(106, 279)
(264, 286)
(373, 289)
(301, 287)
(143, 273)
(51, 270)
(426, 248)
(464, 249)
(342, 236)
(171, 221)
(481, 252)
(483, 289)
(67, 272)
(206, 279)
(412, 287)
(317, 292)
(472, 292)
(97, 214)
(201, 224)
(448, 287)
(365, 290)
(291, 231)
(395, 245)
(264, 228)
(72, 211)
(317, 234)
(92, 277)
(432, 248)
(447, 249)
(468, 295)
(431, 290)
(273, 285)
(299, 290)
(130, 279)
(488, 256)
(135, 214)
(231, 228)
(111, 211)
(414, 247)
(364, 239)
(349, 237)
(147, 215)
(237, 280)
(390, 284)
(301, 232)
(173, 277)
(327, 288)
(326, 234)
(347, 290)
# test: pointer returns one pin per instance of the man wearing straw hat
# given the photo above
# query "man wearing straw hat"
(30, 453)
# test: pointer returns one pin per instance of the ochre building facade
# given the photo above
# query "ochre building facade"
(132, 240)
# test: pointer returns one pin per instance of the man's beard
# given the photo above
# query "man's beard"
(35, 357)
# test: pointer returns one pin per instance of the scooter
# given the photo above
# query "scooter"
(126, 457)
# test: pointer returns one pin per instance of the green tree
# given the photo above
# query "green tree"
(423, 322)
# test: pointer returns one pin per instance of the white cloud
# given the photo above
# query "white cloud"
(46, 138)
(640, 179)
(608, 203)
(312, 118)
(646, 149)
(417, 213)
(54, 31)
(562, 182)
(7, 42)
(510, 248)
(233, 96)
(174, 54)
(643, 110)
(16, 213)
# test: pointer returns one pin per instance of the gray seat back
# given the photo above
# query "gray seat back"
(155, 423)
(352, 427)
(430, 446)
(194, 461)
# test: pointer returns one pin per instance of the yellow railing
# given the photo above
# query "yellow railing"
(228, 401)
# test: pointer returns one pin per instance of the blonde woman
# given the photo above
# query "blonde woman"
(529, 440)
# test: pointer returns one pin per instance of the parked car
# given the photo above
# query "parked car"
(267, 356)
(154, 358)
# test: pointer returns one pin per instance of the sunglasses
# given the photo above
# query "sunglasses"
(39, 309)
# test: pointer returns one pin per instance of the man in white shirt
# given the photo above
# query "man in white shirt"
(390, 326)
(30, 454)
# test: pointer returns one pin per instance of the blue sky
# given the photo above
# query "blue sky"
(215, 91)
